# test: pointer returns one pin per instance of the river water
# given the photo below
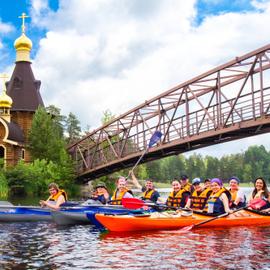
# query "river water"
(42, 245)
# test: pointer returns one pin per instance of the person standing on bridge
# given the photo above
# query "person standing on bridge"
(121, 192)
(149, 192)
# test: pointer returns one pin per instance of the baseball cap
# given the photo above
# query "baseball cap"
(183, 177)
(196, 181)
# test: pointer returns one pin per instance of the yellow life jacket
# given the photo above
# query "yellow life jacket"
(148, 194)
(174, 200)
(198, 201)
(118, 196)
(214, 197)
(57, 195)
(233, 195)
(187, 187)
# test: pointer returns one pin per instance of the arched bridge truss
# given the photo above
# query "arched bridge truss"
(226, 103)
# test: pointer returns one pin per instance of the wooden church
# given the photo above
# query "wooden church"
(19, 100)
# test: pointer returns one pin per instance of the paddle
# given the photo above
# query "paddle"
(153, 140)
(188, 228)
(135, 203)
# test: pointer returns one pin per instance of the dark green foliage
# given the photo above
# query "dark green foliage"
(254, 162)
(58, 119)
(73, 128)
(45, 137)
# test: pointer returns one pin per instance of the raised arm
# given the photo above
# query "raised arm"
(135, 180)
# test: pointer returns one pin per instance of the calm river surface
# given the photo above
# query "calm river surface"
(44, 245)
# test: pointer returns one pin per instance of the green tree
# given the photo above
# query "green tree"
(107, 117)
(212, 167)
(258, 158)
(73, 128)
(45, 140)
(58, 119)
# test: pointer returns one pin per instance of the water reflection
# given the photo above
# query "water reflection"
(47, 246)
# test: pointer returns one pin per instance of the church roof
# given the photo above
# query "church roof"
(15, 132)
(23, 88)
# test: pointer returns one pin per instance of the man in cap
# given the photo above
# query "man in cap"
(184, 181)
(101, 193)
(199, 196)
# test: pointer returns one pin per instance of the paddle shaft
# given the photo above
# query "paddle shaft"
(138, 161)
(135, 203)
(214, 218)
(155, 137)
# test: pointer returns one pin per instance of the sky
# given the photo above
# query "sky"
(98, 55)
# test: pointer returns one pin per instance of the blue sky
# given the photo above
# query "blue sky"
(95, 55)
(10, 11)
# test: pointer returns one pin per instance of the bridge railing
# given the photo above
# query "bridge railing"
(230, 94)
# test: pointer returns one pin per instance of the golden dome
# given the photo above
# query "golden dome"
(5, 100)
(23, 43)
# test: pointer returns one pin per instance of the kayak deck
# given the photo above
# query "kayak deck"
(23, 214)
(159, 221)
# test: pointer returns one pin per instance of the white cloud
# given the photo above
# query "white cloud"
(109, 54)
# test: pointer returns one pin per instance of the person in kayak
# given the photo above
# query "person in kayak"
(179, 195)
(149, 193)
(218, 201)
(121, 192)
(238, 198)
(56, 198)
(184, 181)
(260, 196)
(199, 196)
(101, 193)
(207, 183)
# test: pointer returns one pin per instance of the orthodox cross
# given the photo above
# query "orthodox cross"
(23, 21)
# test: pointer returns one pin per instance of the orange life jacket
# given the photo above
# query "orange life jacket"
(57, 195)
(174, 200)
(118, 196)
(198, 201)
(148, 194)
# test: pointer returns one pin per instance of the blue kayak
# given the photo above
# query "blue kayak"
(85, 214)
(24, 213)
(91, 215)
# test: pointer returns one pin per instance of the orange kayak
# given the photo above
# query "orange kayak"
(164, 221)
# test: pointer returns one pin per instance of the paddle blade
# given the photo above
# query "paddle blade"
(132, 203)
(155, 138)
(187, 228)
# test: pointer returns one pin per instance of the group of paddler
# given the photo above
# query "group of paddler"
(208, 196)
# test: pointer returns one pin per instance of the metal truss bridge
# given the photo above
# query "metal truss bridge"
(229, 102)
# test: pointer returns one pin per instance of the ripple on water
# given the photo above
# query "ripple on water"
(47, 246)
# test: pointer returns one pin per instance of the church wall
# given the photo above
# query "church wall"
(12, 155)
(24, 120)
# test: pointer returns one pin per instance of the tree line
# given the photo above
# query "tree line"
(247, 166)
